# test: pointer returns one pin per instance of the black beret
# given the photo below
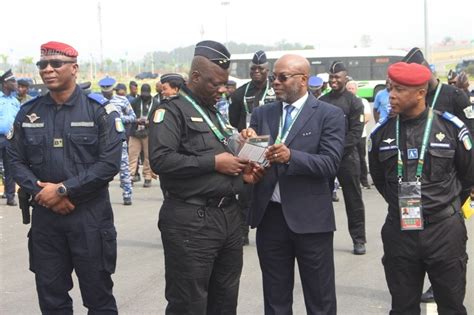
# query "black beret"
(414, 56)
(172, 77)
(259, 58)
(214, 51)
(7, 76)
(337, 66)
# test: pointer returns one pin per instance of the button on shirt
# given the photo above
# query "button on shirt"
(297, 107)
(9, 107)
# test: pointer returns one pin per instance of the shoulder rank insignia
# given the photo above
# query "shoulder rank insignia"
(469, 111)
(379, 124)
(453, 119)
(159, 115)
(109, 108)
(98, 98)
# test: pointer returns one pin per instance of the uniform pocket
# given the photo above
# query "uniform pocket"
(440, 162)
(35, 148)
(200, 135)
(84, 147)
(109, 249)
(30, 251)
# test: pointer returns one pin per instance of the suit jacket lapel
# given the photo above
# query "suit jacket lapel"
(273, 120)
(303, 117)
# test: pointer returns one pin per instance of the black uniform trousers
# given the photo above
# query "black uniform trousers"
(362, 150)
(86, 241)
(203, 257)
(349, 178)
(8, 183)
(440, 251)
(277, 248)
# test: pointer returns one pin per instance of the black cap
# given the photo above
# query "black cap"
(120, 86)
(414, 56)
(7, 76)
(452, 75)
(259, 58)
(169, 77)
(337, 66)
(214, 51)
(23, 82)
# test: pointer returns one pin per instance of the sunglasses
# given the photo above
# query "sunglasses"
(283, 77)
(55, 63)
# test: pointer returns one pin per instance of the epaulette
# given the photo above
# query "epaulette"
(379, 124)
(453, 119)
(98, 98)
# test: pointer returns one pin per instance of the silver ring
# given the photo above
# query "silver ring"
(275, 155)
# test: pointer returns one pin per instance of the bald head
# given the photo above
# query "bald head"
(296, 63)
(291, 74)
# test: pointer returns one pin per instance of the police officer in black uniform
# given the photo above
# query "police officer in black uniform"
(415, 167)
(65, 149)
(349, 169)
(257, 92)
(200, 217)
(450, 99)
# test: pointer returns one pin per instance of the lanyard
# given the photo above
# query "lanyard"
(438, 88)
(281, 138)
(209, 122)
(426, 135)
(247, 111)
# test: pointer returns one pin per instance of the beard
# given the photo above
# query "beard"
(289, 96)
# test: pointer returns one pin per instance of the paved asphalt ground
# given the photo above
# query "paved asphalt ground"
(139, 279)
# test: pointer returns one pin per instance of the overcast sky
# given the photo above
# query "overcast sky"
(132, 28)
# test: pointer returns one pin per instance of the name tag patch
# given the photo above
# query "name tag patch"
(32, 125)
(82, 124)
(412, 154)
(197, 119)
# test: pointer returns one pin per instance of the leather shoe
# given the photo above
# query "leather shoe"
(127, 201)
(136, 178)
(147, 183)
(428, 296)
(12, 202)
(359, 249)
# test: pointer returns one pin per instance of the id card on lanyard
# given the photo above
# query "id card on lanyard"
(228, 129)
(409, 192)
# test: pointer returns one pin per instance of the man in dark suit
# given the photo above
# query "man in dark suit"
(291, 205)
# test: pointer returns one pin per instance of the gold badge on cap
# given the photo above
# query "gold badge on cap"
(33, 117)
(440, 136)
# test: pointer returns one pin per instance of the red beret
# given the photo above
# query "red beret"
(410, 74)
(57, 48)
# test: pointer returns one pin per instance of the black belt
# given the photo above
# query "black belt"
(206, 202)
(447, 212)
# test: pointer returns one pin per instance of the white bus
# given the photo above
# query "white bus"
(367, 66)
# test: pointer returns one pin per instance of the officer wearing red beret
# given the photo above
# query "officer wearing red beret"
(65, 149)
(422, 162)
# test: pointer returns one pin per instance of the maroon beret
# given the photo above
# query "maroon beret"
(57, 48)
(410, 74)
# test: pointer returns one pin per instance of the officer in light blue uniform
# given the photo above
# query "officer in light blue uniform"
(9, 106)
(127, 114)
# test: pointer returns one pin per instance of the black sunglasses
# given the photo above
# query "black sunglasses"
(55, 63)
(283, 77)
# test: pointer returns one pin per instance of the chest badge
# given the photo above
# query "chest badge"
(388, 140)
(440, 136)
(58, 143)
(412, 154)
(33, 117)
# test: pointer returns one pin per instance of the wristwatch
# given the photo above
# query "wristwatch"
(61, 190)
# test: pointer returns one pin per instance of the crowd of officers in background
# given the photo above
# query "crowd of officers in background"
(137, 108)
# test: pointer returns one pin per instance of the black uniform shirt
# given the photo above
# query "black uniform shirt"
(448, 167)
(237, 113)
(78, 143)
(452, 100)
(354, 114)
(182, 150)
